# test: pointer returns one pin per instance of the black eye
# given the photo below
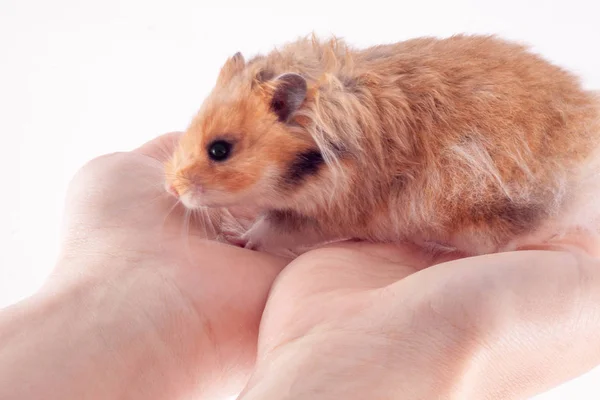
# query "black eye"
(219, 150)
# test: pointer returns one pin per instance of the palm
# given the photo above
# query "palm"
(118, 202)
(372, 309)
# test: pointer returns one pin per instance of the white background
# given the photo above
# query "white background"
(83, 78)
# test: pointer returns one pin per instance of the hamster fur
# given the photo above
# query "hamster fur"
(470, 143)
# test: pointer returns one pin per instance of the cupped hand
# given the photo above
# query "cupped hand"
(202, 300)
(142, 305)
(358, 321)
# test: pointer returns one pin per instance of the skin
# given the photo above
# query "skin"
(133, 311)
(377, 324)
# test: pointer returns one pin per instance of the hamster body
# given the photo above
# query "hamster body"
(470, 142)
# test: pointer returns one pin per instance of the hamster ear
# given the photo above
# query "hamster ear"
(290, 93)
(232, 66)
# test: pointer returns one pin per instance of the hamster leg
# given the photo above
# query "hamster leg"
(284, 233)
(232, 226)
(264, 237)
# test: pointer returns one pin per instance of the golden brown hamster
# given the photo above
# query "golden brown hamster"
(470, 142)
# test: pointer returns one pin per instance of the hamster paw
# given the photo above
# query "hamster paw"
(276, 251)
(233, 239)
(263, 244)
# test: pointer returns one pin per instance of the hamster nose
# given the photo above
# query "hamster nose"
(173, 191)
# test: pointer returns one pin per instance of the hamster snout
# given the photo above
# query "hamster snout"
(172, 190)
(191, 196)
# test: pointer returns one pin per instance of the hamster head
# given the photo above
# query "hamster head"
(246, 145)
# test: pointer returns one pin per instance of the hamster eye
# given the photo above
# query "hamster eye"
(219, 150)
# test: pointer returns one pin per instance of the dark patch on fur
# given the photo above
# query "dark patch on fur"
(521, 216)
(352, 85)
(400, 182)
(305, 164)
(517, 218)
(288, 220)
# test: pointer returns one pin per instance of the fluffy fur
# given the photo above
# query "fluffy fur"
(470, 142)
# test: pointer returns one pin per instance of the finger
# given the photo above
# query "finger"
(529, 319)
(355, 265)
(559, 328)
(588, 243)
(404, 253)
(350, 266)
(161, 147)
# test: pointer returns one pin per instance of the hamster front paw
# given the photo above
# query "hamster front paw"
(263, 237)
(257, 239)
(233, 239)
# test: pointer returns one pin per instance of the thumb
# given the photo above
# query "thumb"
(355, 266)
(161, 147)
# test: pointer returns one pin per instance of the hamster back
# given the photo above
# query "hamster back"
(470, 142)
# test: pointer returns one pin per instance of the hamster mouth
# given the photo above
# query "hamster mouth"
(192, 202)
(205, 200)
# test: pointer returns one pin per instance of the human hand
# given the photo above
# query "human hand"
(365, 321)
(134, 310)
(139, 305)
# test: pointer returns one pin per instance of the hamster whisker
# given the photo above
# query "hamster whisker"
(164, 152)
(186, 233)
(208, 226)
(177, 203)
(232, 218)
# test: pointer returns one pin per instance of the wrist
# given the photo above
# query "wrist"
(323, 369)
(293, 372)
(98, 338)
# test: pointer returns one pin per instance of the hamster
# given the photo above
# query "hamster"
(470, 143)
